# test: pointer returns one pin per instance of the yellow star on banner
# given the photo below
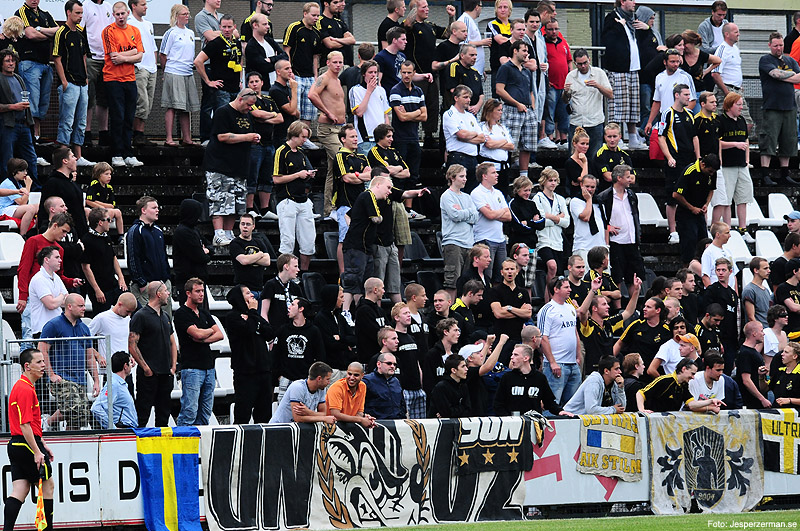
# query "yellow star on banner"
(488, 456)
(464, 458)
(512, 456)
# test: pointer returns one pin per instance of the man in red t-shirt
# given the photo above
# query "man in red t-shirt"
(123, 47)
(28, 454)
(559, 58)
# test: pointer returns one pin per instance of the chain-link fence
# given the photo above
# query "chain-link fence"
(74, 380)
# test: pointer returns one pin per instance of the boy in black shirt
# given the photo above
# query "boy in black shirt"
(524, 388)
(281, 291)
(265, 114)
(284, 93)
(511, 307)
(751, 372)
(724, 295)
(693, 191)
(450, 397)
(249, 256)
(292, 175)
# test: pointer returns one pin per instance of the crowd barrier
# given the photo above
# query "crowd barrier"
(412, 472)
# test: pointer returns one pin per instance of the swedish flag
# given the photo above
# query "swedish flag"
(169, 466)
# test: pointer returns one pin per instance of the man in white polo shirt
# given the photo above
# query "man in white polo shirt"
(558, 322)
(462, 134)
(46, 291)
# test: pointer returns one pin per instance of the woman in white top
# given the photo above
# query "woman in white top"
(179, 92)
(669, 354)
(553, 209)
(498, 141)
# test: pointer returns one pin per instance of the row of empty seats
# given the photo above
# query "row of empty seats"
(778, 206)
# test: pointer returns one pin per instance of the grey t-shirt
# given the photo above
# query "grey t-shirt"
(297, 392)
(205, 21)
(761, 299)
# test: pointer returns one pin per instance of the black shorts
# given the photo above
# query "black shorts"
(545, 254)
(23, 466)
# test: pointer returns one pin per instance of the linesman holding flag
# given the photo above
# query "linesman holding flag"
(28, 454)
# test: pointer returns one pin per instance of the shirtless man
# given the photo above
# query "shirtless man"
(327, 95)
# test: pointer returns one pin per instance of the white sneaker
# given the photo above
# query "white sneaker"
(42, 162)
(82, 162)
(747, 238)
(308, 144)
(562, 146)
(255, 214)
(204, 143)
(270, 215)
(636, 143)
(333, 216)
(546, 143)
(133, 162)
(117, 161)
(534, 166)
(317, 216)
(674, 238)
(623, 145)
(415, 216)
(222, 240)
(348, 317)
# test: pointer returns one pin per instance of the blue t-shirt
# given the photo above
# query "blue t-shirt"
(8, 200)
(68, 358)
(411, 100)
(518, 83)
(297, 392)
(389, 65)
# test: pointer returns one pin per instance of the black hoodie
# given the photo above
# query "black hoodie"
(187, 247)
(330, 323)
(248, 337)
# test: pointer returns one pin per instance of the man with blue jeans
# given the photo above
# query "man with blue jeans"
(15, 117)
(34, 53)
(558, 322)
(196, 331)
(69, 58)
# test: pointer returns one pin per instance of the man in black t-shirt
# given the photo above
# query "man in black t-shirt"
(645, 335)
(302, 43)
(280, 291)
(751, 372)
(446, 55)
(99, 263)
(34, 58)
(396, 9)
(69, 57)
(351, 172)
(693, 191)
(723, 294)
(422, 37)
(226, 163)
(292, 174)
(265, 114)
(462, 72)
(196, 331)
(249, 256)
(284, 93)
(511, 307)
(224, 55)
(334, 31)
(788, 294)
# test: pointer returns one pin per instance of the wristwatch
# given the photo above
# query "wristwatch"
(508, 308)
(38, 28)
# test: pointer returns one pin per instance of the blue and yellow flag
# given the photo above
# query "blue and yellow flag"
(169, 464)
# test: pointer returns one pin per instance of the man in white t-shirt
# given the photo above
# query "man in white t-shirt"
(145, 71)
(493, 211)
(558, 322)
(114, 322)
(721, 233)
(46, 291)
(589, 230)
(370, 106)
(462, 134)
(709, 383)
(672, 75)
(728, 74)
(472, 10)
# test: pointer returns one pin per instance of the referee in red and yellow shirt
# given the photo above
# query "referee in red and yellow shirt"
(27, 452)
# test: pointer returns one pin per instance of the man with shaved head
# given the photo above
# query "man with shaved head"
(66, 363)
(345, 398)
(152, 345)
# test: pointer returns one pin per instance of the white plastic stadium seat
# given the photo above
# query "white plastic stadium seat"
(649, 213)
(215, 305)
(222, 346)
(738, 248)
(11, 244)
(747, 276)
(767, 245)
(779, 205)
(224, 372)
(756, 217)
(35, 198)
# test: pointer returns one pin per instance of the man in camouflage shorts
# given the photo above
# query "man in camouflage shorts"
(67, 361)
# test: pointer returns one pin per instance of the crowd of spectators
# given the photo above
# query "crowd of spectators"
(700, 341)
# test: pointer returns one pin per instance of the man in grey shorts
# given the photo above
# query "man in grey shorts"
(146, 71)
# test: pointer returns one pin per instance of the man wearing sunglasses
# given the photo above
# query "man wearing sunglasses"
(384, 398)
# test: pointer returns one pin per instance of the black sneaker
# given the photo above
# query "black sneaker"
(104, 138)
(88, 139)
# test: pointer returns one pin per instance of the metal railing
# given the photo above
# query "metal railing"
(66, 400)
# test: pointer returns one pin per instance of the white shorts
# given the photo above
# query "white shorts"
(296, 223)
(9, 210)
(720, 196)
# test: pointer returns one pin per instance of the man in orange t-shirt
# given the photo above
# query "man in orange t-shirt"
(123, 48)
(345, 397)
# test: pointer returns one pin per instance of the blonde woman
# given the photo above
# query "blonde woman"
(498, 141)
(577, 165)
(553, 208)
(500, 30)
(179, 93)
(13, 30)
